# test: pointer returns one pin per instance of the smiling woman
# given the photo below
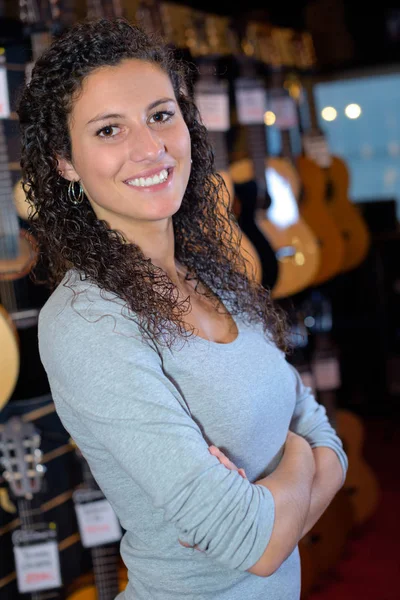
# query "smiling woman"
(158, 345)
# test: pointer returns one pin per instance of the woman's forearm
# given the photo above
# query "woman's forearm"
(327, 482)
(290, 484)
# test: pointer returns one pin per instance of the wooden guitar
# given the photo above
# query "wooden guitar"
(109, 577)
(361, 483)
(293, 242)
(21, 458)
(292, 239)
(347, 216)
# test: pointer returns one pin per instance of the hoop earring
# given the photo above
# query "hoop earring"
(75, 198)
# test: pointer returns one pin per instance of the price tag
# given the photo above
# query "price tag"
(251, 106)
(37, 562)
(326, 374)
(4, 98)
(214, 110)
(98, 523)
(284, 110)
(316, 148)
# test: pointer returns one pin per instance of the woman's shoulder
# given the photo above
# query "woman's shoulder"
(75, 304)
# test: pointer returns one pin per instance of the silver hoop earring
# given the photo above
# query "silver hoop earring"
(75, 198)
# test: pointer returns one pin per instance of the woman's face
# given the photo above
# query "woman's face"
(130, 145)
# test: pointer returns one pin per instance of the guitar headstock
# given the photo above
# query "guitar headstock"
(21, 458)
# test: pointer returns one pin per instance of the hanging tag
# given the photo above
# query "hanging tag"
(284, 110)
(4, 97)
(251, 106)
(214, 110)
(37, 560)
(326, 374)
(316, 148)
(97, 521)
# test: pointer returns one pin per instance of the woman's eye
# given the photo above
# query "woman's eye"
(108, 131)
(161, 117)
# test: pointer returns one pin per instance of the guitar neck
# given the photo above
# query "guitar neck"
(105, 558)
(31, 520)
(257, 144)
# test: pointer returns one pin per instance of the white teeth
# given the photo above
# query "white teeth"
(145, 182)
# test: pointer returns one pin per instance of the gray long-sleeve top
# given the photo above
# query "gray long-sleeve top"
(144, 417)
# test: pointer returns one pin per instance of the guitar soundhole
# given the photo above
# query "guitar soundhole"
(351, 491)
(329, 190)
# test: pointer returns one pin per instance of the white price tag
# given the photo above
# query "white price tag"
(326, 374)
(214, 110)
(37, 566)
(4, 98)
(284, 110)
(316, 148)
(98, 523)
(251, 106)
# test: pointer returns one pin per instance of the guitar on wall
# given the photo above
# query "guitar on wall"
(353, 228)
(35, 543)
(18, 254)
(311, 195)
(109, 578)
(293, 240)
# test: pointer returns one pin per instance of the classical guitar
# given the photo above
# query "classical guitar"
(109, 577)
(328, 538)
(294, 242)
(361, 483)
(38, 573)
(348, 217)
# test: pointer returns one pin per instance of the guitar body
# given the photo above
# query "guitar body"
(9, 357)
(348, 218)
(361, 484)
(298, 270)
(89, 592)
(314, 211)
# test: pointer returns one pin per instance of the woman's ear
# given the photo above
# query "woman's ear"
(66, 169)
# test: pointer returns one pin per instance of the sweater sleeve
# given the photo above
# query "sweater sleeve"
(114, 384)
(311, 421)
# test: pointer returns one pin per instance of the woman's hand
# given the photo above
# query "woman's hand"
(224, 460)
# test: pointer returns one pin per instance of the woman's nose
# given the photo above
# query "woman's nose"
(145, 145)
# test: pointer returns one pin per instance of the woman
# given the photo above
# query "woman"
(160, 349)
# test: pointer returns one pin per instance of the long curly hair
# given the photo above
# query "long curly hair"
(71, 237)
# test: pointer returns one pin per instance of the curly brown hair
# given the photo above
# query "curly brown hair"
(71, 236)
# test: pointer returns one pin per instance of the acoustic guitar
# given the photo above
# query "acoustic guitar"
(278, 216)
(109, 577)
(361, 483)
(21, 457)
(348, 217)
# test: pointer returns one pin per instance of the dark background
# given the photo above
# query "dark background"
(347, 34)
